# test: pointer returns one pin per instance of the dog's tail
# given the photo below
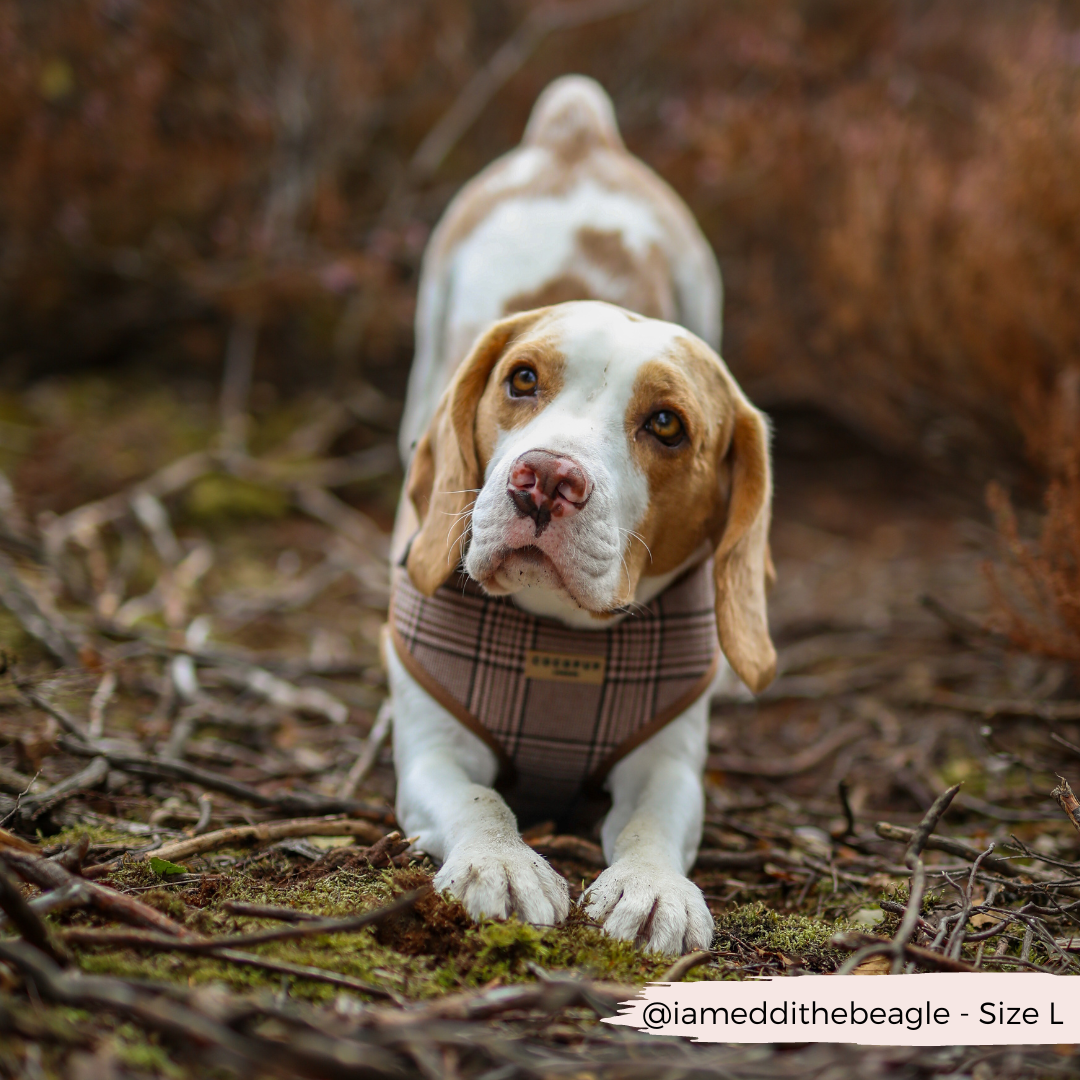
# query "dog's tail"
(572, 116)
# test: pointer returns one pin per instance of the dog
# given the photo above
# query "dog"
(585, 525)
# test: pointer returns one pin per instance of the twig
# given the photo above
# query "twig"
(314, 1054)
(801, 762)
(10, 840)
(33, 806)
(285, 803)
(964, 628)
(685, 964)
(15, 781)
(206, 809)
(1068, 802)
(948, 844)
(62, 716)
(853, 939)
(269, 911)
(70, 896)
(708, 859)
(956, 941)
(899, 945)
(926, 826)
(266, 832)
(25, 919)
(380, 732)
(353, 525)
(991, 707)
(100, 702)
(172, 478)
(21, 602)
(843, 791)
(284, 695)
(569, 847)
(191, 944)
(47, 874)
(918, 875)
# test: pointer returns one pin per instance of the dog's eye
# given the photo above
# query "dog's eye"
(522, 382)
(666, 426)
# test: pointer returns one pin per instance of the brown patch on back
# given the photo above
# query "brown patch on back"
(640, 284)
(606, 249)
(559, 290)
(613, 169)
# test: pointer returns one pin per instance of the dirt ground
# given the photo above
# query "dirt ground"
(198, 652)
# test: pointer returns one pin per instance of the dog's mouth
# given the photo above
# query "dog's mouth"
(528, 567)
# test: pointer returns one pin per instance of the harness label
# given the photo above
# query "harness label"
(560, 667)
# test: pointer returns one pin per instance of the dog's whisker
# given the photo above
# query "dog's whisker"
(639, 538)
(459, 513)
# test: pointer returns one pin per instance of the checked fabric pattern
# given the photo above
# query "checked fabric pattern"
(558, 706)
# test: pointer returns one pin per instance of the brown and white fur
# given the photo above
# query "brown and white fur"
(556, 487)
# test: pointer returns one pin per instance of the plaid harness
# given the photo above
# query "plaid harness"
(558, 706)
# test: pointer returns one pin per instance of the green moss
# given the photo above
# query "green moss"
(134, 1048)
(218, 496)
(13, 638)
(797, 937)
(476, 955)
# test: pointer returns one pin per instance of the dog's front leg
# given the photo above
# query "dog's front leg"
(444, 796)
(651, 837)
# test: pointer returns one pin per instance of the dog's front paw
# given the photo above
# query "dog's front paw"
(653, 905)
(498, 879)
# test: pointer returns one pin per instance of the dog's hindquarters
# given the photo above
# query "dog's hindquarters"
(568, 215)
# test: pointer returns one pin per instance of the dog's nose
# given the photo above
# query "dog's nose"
(543, 485)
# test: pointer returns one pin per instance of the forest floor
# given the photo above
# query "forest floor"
(197, 796)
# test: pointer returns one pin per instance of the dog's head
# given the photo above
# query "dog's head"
(581, 448)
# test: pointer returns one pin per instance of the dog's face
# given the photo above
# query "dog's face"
(580, 448)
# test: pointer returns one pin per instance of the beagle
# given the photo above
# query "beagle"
(585, 526)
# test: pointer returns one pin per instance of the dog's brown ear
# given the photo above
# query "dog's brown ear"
(743, 562)
(445, 474)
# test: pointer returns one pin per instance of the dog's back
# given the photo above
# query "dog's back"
(570, 214)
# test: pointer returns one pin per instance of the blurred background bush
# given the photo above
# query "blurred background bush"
(892, 188)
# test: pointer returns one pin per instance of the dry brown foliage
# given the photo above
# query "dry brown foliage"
(892, 187)
(1037, 589)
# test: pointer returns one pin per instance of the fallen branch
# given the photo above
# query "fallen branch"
(569, 847)
(898, 946)
(26, 920)
(303, 699)
(211, 945)
(48, 874)
(171, 1013)
(167, 481)
(21, 602)
(685, 964)
(949, 845)
(269, 911)
(291, 802)
(710, 859)
(264, 833)
(988, 708)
